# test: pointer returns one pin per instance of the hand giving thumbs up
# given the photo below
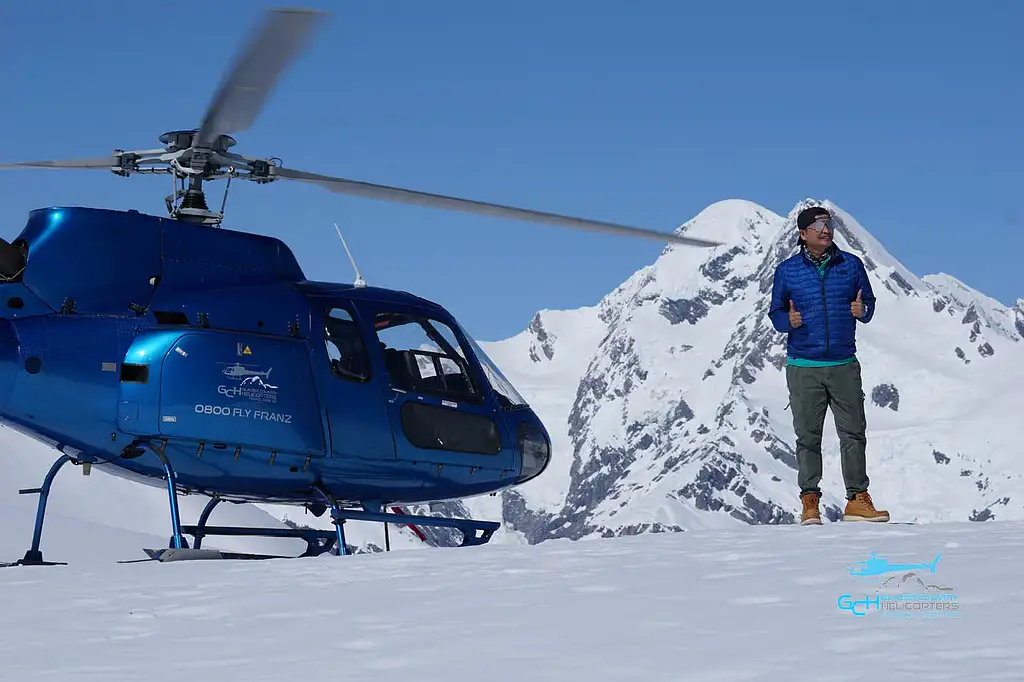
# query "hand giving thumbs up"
(857, 307)
(795, 320)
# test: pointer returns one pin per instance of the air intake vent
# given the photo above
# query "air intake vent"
(172, 317)
(134, 374)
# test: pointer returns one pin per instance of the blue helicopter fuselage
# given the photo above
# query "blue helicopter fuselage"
(124, 329)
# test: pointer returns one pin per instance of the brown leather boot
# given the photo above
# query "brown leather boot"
(860, 508)
(810, 515)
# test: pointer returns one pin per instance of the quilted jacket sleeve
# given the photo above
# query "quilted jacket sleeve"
(778, 309)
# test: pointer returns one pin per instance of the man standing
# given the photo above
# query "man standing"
(818, 296)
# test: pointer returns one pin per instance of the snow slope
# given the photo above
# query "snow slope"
(745, 604)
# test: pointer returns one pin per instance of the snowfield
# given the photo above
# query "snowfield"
(745, 604)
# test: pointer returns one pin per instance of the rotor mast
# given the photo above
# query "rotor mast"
(196, 164)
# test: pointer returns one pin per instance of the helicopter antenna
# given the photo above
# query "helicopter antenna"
(360, 282)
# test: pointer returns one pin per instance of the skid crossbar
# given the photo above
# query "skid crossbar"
(319, 541)
(473, 532)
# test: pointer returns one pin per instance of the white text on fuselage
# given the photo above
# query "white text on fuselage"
(244, 413)
(257, 395)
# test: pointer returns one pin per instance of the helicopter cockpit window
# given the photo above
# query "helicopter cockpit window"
(345, 348)
(423, 354)
(507, 395)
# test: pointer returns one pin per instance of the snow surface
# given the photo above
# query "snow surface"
(746, 604)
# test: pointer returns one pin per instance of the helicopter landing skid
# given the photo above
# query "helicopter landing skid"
(317, 541)
(34, 557)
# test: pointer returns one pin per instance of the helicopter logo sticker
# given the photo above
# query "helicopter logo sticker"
(253, 383)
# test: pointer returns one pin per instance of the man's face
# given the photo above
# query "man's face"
(818, 235)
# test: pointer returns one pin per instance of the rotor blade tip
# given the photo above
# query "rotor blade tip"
(308, 11)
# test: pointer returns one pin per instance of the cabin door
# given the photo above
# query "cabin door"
(357, 418)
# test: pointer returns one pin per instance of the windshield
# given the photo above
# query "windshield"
(508, 396)
(423, 354)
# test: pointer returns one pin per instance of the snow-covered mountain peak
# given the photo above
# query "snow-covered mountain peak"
(959, 293)
(685, 283)
(956, 299)
(730, 221)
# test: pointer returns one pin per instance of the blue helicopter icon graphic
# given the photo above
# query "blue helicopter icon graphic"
(876, 565)
(239, 371)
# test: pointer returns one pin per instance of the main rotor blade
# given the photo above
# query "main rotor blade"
(75, 164)
(384, 193)
(244, 90)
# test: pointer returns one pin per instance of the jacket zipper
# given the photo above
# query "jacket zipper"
(824, 306)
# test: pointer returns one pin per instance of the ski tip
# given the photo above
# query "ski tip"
(186, 554)
(183, 554)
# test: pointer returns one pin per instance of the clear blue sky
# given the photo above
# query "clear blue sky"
(908, 114)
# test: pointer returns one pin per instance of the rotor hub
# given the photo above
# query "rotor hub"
(178, 140)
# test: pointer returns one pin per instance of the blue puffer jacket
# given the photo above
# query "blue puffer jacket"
(829, 328)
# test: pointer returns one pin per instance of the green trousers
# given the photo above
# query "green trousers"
(812, 390)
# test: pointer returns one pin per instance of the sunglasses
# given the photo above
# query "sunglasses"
(820, 224)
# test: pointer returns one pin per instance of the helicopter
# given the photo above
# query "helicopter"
(174, 352)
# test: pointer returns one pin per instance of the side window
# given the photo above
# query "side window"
(345, 348)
